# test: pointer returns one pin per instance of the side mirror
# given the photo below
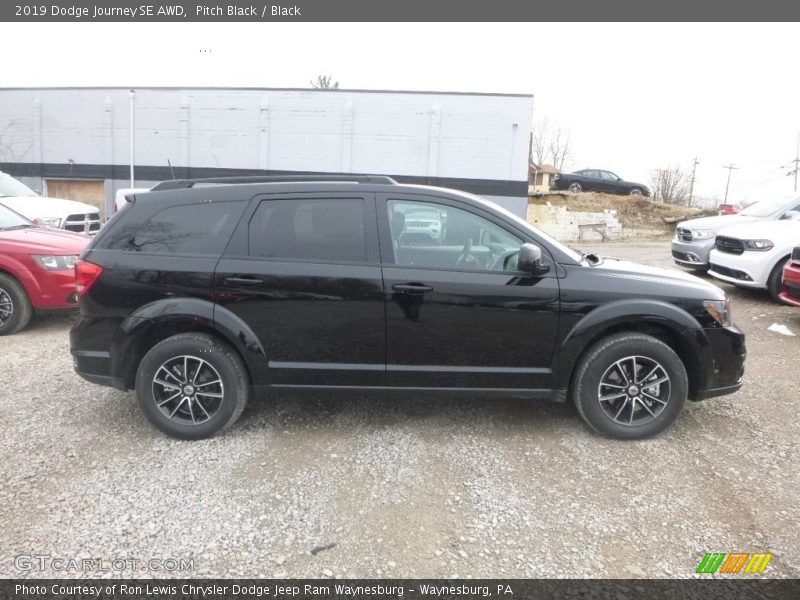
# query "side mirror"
(791, 214)
(530, 260)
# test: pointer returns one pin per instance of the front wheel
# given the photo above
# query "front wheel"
(635, 191)
(630, 386)
(15, 306)
(192, 386)
(775, 280)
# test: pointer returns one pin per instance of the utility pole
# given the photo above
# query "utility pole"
(730, 168)
(796, 161)
(691, 185)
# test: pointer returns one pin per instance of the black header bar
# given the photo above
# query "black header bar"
(404, 10)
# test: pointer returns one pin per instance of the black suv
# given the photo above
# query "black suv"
(201, 294)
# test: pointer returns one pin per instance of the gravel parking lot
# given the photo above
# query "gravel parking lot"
(417, 488)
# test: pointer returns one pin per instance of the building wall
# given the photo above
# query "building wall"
(473, 142)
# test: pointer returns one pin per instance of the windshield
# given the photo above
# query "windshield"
(11, 220)
(11, 187)
(764, 208)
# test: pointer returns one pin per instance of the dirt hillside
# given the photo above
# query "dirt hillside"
(635, 212)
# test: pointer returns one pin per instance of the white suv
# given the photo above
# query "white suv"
(50, 212)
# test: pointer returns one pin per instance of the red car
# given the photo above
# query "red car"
(37, 269)
(790, 290)
(727, 209)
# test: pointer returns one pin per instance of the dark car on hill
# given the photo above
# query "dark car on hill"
(202, 294)
(597, 180)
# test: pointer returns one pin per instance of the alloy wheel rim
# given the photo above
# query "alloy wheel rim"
(6, 307)
(188, 390)
(634, 391)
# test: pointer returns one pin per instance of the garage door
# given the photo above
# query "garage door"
(83, 190)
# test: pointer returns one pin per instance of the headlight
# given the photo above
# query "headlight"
(48, 222)
(720, 311)
(54, 263)
(760, 245)
(703, 234)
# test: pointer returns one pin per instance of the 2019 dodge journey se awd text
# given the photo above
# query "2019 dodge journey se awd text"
(202, 294)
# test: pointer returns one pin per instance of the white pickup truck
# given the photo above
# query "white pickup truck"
(50, 212)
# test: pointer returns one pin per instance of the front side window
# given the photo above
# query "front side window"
(608, 175)
(328, 229)
(425, 234)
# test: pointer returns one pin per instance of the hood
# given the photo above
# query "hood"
(43, 240)
(35, 207)
(683, 284)
(786, 229)
(716, 223)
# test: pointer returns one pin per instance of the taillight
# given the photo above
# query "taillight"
(86, 273)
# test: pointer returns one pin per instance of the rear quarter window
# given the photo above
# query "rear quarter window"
(199, 228)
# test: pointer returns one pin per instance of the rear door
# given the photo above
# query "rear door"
(458, 312)
(302, 271)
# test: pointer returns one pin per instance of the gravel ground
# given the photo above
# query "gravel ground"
(420, 488)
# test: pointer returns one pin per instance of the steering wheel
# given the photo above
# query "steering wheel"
(466, 259)
(501, 261)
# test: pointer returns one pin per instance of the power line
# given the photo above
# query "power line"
(730, 168)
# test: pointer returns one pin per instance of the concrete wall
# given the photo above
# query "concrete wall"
(440, 138)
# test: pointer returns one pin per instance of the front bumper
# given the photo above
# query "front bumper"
(692, 254)
(790, 290)
(749, 269)
(725, 358)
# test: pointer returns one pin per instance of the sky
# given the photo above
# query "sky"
(634, 97)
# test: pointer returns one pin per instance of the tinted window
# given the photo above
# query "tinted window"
(202, 228)
(438, 236)
(312, 229)
(608, 175)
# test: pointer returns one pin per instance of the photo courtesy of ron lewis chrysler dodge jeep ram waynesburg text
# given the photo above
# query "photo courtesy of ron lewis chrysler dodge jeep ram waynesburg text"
(203, 294)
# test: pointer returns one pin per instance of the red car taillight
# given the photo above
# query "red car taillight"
(86, 274)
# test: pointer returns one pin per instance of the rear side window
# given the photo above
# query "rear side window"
(202, 228)
(309, 229)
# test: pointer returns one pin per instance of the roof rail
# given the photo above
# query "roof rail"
(180, 184)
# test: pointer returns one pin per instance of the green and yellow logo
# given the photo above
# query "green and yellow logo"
(734, 562)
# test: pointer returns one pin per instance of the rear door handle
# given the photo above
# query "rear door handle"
(411, 288)
(243, 281)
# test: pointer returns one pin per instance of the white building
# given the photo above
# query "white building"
(80, 142)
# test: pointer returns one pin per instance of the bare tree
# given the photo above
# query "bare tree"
(324, 82)
(550, 143)
(670, 185)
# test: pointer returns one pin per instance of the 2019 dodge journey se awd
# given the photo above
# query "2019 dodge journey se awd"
(204, 293)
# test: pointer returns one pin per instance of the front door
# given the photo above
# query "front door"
(303, 273)
(458, 312)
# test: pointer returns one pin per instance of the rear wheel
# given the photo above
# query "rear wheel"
(775, 280)
(15, 306)
(575, 188)
(192, 386)
(630, 386)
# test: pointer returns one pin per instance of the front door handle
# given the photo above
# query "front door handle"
(243, 281)
(411, 288)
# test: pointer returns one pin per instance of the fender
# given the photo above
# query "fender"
(190, 314)
(618, 313)
(10, 265)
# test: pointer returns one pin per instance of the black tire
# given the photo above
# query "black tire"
(15, 306)
(599, 365)
(635, 191)
(775, 280)
(221, 402)
(575, 187)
